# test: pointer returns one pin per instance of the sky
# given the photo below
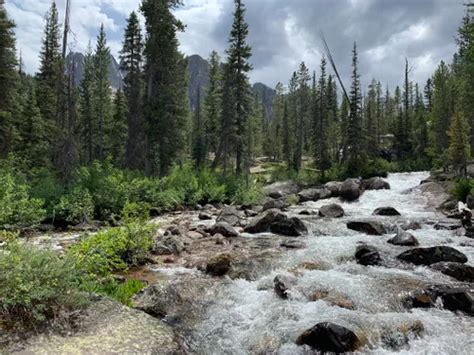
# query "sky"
(283, 33)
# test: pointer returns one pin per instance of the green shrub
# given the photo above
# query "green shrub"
(17, 208)
(462, 188)
(114, 249)
(122, 292)
(244, 191)
(47, 187)
(37, 287)
(76, 207)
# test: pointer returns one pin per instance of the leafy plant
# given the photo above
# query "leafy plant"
(77, 206)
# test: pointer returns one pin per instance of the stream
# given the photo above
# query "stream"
(247, 317)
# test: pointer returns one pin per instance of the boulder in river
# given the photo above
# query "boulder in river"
(231, 215)
(314, 194)
(367, 227)
(204, 216)
(168, 245)
(282, 284)
(261, 224)
(334, 187)
(329, 337)
(351, 189)
(399, 338)
(292, 244)
(274, 204)
(280, 189)
(367, 255)
(290, 227)
(459, 271)
(459, 299)
(404, 239)
(386, 211)
(333, 211)
(224, 229)
(219, 265)
(432, 255)
(375, 183)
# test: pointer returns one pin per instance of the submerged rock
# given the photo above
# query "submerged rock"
(292, 244)
(375, 183)
(329, 337)
(333, 211)
(399, 338)
(386, 211)
(282, 285)
(404, 239)
(334, 298)
(432, 255)
(350, 190)
(367, 255)
(219, 265)
(367, 227)
(461, 272)
(314, 194)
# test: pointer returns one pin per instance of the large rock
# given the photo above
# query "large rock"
(314, 194)
(386, 211)
(333, 211)
(261, 224)
(329, 337)
(432, 255)
(404, 239)
(350, 190)
(367, 227)
(334, 187)
(400, 337)
(204, 216)
(375, 183)
(461, 272)
(281, 189)
(168, 245)
(108, 327)
(224, 229)
(274, 204)
(459, 299)
(367, 255)
(290, 227)
(219, 265)
(230, 215)
(282, 284)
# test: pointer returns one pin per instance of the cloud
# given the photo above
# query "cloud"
(282, 33)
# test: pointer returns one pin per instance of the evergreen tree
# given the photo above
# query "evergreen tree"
(199, 149)
(303, 113)
(372, 119)
(421, 126)
(102, 94)
(131, 59)
(8, 83)
(322, 152)
(166, 113)
(88, 122)
(213, 103)
(459, 147)
(118, 131)
(275, 137)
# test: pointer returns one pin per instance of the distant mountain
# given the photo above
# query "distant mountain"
(198, 75)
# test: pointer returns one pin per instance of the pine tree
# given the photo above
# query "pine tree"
(421, 126)
(213, 103)
(8, 83)
(322, 154)
(303, 113)
(372, 118)
(199, 149)
(131, 59)
(102, 94)
(118, 130)
(459, 149)
(166, 103)
(275, 137)
(88, 121)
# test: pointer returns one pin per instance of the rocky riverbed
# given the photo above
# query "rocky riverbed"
(325, 274)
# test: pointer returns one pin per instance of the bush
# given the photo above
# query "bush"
(76, 207)
(462, 188)
(37, 287)
(244, 191)
(122, 292)
(114, 249)
(47, 187)
(17, 208)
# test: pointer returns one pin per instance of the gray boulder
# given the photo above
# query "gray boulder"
(314, 194)
(375, 183)
(367, 227)
(459, 271)
(282, 284)
(168, 245)
(274, 204)
(386, 211)
(224, 229)
(334, 187)
(351, 189)
(329, 337)
(332, 211)
(231, 215)
(404, 239)
(432, 255)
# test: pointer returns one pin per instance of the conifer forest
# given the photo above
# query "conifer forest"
(155, 202)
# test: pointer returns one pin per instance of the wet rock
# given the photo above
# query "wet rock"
(461, 272)
(447, 225)
(274, 204)
(175, 230)
(282, 284)
(290, 227)
(292, 244)
(168, 245)
(204, 216)
(367, 227)
(224, 229)
(332, 211)
(334, 187)
(306, 213)
(367, 255)
(432, 255)
(262, 224)
(329, 337)
(281, 189)
(314, 194)
(350, 190)
(250, 213)
(386, 211)
(230, 215)
(334, 298)
(410, 225)
(404, 239)
(459, 299)
(375, 183)
(425, 298)
(399, 338)
(470, 202)
(219, 265)
(469, 232)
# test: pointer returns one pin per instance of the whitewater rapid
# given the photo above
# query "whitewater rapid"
(248, 318)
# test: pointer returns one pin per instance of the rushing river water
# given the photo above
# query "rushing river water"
(248, 317)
